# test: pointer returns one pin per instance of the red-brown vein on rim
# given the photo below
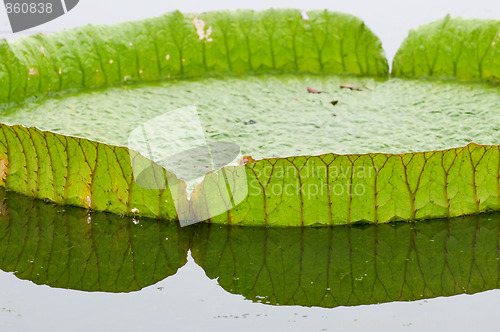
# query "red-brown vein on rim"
(291, 160)
(264, 188)
(322, 158)
(107, 160)
(66, 178)
(132, 165)
(375, 183)
(478, 202)
(235, 183)
(125, 178)
(230, 190)
(349, 188)
(228, 214)
(160, 191)
(1, 142)
(270, 178)
(243, 217)
(413, 193)
(282, 192)
(26, 163)
(7, 150)
(37, 183)
(51, 164)
(222, 198)
(92, 170)
(446, 173)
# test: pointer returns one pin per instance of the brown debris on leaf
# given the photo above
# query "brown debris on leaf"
(245, 160)
(311, 90)
(3, 169)
(354, 87)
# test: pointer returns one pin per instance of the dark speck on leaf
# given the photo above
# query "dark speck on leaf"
(493, 79)
(251, 122)
(334, 102)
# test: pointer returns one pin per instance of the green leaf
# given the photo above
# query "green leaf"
(335, 189)
(468, 49)
(170, 46)
(13, 74)
(356, 265)
(328, 189)
(296, 191)
(90, 251)
(75, 171)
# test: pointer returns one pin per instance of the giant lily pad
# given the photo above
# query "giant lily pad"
(336, 157)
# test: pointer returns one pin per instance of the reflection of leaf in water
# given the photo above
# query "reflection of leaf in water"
(71, 249)
(356, 265)
(325, 267)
